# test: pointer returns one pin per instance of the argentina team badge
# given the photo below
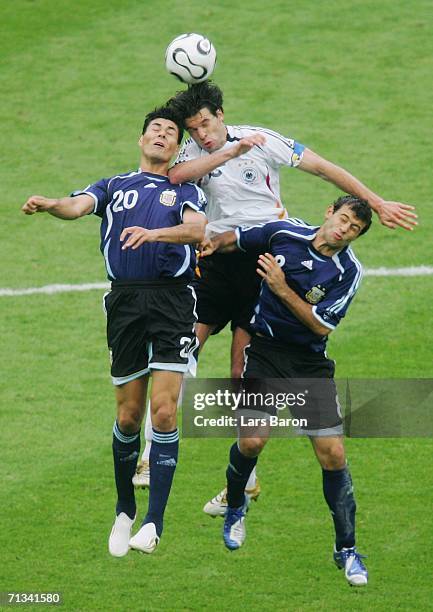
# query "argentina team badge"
(315, 294)
(168, 197)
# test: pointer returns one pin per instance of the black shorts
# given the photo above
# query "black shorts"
(227, 288)
(278, 368)
(150, 325)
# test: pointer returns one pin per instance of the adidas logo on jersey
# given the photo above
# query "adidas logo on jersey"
(308, 263)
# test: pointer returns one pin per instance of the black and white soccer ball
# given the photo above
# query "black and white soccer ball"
(191, 58)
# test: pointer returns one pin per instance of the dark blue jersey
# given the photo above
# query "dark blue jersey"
(327, 283)
(151, 201)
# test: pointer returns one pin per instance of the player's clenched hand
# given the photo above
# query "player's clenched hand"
(246, 144)
(206, 247)
(272, 273)
(394, 214)
(38, 203)
(137, 236)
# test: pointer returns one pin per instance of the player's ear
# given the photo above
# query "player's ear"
(140, 140)
(220, 114)
(329, 211)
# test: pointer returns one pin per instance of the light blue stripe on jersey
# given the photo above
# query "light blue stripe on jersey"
(109, 221)
(153, 178)
(314, 256)
(268, 327)
(301, 223)
(238, 238)
(107, 263)
(337, 262)
(339, 304)
(186, 261)
(123, 176)
(309, 237)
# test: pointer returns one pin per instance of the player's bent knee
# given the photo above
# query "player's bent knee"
(164, 416)
(129, 422)
(334, 458)
(252, 447)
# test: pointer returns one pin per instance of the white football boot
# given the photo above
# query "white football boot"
(217, 506)
(118, 542)
(146, 539)
(141, 478)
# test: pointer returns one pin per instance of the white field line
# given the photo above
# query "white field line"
(52, 289)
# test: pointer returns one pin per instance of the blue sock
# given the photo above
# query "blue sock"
(163, 461)
(238, 472)
(126, 449)
(338, 491)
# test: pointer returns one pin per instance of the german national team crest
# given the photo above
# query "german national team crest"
(249, 175)
(168, 197)
(315, 294)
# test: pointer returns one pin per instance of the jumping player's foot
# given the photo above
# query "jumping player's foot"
(145, 540)
(118, 542)
(141, 478)
(350, 560)
(217, 506)
(234, 532)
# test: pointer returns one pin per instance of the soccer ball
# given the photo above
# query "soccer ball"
(191, 58)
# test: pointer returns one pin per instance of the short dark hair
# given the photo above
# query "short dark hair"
(361, 209)
(191, 101)
(165, 112)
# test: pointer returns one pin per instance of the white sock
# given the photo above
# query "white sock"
(251, 480)
(147, 434)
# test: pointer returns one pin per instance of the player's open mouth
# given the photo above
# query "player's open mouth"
(337, 236)
(159, 144)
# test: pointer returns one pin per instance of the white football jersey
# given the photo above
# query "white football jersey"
(245, 191)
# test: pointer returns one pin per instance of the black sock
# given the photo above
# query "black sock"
(163, 461)
(338, 491)
(238, 472)
(126, 449)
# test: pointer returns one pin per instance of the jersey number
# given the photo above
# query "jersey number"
(124, 200)
(186, 343)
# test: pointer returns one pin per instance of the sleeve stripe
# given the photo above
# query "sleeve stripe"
(319, 318)
(201, 196)
(193, 206)
(89, 193)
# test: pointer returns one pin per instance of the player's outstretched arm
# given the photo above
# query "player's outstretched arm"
(271, 272)
(64, 208)
(197, 168)
(223, 243)
(191, 231)
(391, 214)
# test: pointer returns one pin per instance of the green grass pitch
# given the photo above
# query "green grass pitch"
(351, 81)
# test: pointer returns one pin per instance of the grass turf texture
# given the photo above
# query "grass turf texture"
(350, 82)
